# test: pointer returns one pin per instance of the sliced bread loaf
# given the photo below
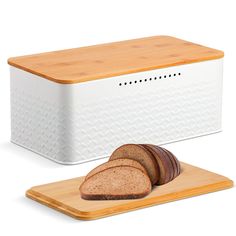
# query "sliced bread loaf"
(114, 183)
(117, 162)
(139, 153)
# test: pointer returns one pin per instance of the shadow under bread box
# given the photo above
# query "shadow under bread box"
(76, 105)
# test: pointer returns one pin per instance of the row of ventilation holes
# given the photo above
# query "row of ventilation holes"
(150, 79)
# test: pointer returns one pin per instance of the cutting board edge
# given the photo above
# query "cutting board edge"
(147, 202)
(30, 193)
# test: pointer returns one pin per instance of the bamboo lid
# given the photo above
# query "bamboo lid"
(113, 59)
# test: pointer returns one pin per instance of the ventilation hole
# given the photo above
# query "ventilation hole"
(150, 79)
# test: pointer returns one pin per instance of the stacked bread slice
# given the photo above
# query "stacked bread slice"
(130, 173)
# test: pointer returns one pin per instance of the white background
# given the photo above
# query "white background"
(28, 27)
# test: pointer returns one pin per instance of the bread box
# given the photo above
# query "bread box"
(79, 104)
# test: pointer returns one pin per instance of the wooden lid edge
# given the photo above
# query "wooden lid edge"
(86, 79)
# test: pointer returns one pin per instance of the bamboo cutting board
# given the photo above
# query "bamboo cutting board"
(64, 196)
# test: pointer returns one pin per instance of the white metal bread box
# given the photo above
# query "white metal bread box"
(79, 104)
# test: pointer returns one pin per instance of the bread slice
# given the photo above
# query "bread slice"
(177, 163)
(168, 162)
(115, 183)
(164, 163)
(172, 161)
(138, 153)
(117, 162)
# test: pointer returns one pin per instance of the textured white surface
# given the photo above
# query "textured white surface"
(85, 121)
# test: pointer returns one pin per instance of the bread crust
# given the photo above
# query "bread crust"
(177, 163)
(168, 162)
(113, 197)
(174, 167)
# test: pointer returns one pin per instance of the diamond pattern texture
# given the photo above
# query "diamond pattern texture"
(84, 131)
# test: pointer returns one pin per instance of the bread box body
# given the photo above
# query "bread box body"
(79, 104)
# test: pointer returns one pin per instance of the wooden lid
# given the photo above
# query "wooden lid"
(113, 59)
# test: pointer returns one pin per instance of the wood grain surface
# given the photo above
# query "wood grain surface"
(113, 59)
(64, 196)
